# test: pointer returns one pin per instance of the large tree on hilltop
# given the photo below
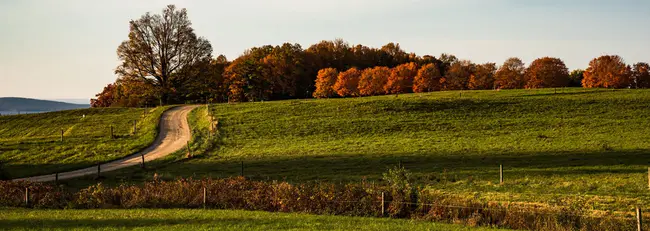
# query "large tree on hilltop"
(159, 46)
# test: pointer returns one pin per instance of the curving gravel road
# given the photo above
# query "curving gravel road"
(174, 135)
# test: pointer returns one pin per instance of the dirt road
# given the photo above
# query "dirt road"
(173, 135)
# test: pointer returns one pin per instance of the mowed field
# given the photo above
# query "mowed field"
(187, 219)
(583, 148)
(31, 144)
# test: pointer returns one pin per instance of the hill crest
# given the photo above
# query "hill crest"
(18, 104)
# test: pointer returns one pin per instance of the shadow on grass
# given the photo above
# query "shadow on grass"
(353, 168)
(90, 223)
(561, 92)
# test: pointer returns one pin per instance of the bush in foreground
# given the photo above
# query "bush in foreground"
(401, 200)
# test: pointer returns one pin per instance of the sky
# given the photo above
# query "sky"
(66, 49)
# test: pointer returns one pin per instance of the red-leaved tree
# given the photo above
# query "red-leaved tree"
(372, 81)
(608, 71)
(401, 78)
(428, 79)
(347, 83)
(324, 82)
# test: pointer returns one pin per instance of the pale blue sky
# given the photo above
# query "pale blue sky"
(66, 48)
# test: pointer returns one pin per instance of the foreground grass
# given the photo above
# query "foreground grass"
(185, 219)
(30, 144)
(579, 148)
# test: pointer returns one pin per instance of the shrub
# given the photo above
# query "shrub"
(405, 201)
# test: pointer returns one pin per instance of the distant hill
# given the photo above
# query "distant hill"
(73, 101)
(13, 104)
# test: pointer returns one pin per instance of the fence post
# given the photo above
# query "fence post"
(189, 152)
(98, 170)
(501, 174)
(142, 155)
(26, 197)
(112, 132)
(56, 178)
(205, 196)
(242, 169)
(61, 135)
(639, 220)
(383, 204)
(135, 128)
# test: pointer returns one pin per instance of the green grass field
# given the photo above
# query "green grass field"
(579, 148)
(185, 219)
(31, 144)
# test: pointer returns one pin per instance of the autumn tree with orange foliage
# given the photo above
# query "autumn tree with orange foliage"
(608, 71)
(347, 83)
(510, 75)
(373, 80)
(104, 98)
(324, 82)
(428, 79)
(458, 75)
(547, 72)
(401, 78)
(641, 75)
(483, 77)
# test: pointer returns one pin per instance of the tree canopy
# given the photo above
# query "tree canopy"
(163, 61)
(159, 46)
(510, 75)
(547, 72)
(608, 71)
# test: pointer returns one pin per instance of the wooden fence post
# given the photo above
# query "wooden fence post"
(205, 196)
(26, 197)
(189, 152)
(639, 220)
(56, 178)
(383, 204)
(135, 128)
(112, 132)
(501, 174)
(99, 170)
(61, 135)
(142, 155)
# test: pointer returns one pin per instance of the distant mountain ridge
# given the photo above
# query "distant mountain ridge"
(35, 105)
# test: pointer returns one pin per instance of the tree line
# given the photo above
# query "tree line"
(164, 62)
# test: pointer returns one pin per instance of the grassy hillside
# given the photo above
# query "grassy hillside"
(24, 104)
(585, 148)
(30, 144)
(185, 219)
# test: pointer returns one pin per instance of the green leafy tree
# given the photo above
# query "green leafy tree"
(575, 78)
(641, 75)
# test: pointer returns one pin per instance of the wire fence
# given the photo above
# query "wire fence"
(375, 203)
